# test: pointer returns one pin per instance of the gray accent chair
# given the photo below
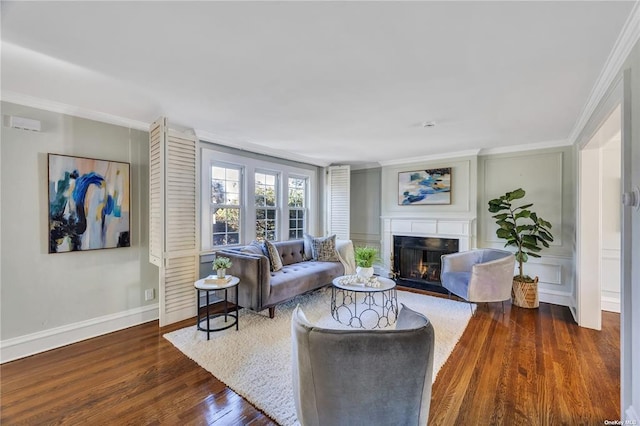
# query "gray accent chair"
(363, 377)
(481, 275)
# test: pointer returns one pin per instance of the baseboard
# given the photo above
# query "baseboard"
(610, 304)
(41, 341)
(631, 416)
(555, 297)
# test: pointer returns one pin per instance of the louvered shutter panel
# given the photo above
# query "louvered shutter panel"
(174, 194)
(338, 201)
(156, 191)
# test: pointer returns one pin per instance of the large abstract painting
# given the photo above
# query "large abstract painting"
(88, 204)
(432, 186)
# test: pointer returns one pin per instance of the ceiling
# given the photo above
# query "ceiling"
(321, 82)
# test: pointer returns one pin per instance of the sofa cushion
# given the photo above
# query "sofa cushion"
(458, 283)
(290, 251)
(301, 277)
(274, 256)
(324, 249)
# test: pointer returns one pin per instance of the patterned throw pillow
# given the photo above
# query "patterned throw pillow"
(324, 249)
(274, 256)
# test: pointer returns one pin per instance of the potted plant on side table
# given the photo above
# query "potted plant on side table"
(220, 265)
(365, 258)
(528, 233)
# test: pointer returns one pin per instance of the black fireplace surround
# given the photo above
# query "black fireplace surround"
(416, 260)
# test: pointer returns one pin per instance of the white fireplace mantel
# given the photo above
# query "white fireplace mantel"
(461, 229)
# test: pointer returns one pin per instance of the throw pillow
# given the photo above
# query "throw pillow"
(308, 247)
(324, 249)
(274, 256)
(253, 248)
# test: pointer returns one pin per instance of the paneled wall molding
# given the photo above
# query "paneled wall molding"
(612, 254)
(562, 298)
(610, 303)
(22, 346)
(553, 161)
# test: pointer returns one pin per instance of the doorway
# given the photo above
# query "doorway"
(599, 223)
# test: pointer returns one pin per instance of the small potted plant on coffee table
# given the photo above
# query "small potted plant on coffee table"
(365, 258)
(528, 233)
(220, 265)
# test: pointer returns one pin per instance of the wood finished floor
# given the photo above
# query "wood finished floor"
(529, 367)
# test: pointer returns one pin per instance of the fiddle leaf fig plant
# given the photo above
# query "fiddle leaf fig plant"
(521, 228)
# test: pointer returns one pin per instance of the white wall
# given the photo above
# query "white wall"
(547, 176)
(610, 190)
(631, 285)
(49, 300)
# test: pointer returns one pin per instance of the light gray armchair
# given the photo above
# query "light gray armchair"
(481, 275)
(363, 377)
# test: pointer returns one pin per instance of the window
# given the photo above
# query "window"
(297, 207)
(244, 198)
(226, 191)
(266, 195)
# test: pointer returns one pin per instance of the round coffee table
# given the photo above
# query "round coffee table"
(202, 285)
(361, 306)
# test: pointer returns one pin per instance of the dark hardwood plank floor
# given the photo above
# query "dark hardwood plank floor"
(530, 367)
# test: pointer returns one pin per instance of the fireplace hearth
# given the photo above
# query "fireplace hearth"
(416, 260)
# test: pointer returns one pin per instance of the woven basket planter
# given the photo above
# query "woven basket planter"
(525, 294)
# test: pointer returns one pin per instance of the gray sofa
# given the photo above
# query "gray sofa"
(260, 288)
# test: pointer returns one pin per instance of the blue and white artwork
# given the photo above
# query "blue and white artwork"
(88, 204)
(431, 186)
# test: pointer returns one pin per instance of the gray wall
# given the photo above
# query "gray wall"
(463, 190)
(41, 291)
(549, 179)
(547, 175)
(365, 207)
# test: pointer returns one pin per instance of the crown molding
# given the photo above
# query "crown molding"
(365, 166)
(257, 149)
(53, 106)
(445, 156)
(627, 39)
(526, 147)
(75, 111)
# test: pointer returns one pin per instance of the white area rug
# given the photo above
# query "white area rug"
(256, 360)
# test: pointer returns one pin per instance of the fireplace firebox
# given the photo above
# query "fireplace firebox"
(416, 260)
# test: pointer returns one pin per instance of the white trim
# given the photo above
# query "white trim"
(53, 106)
(365, 166)
(610, 304)
(206, 136)
(526, 147)
(30, 344)
(555, 297)
(446, 156)
(628, 37)
(631, 416)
